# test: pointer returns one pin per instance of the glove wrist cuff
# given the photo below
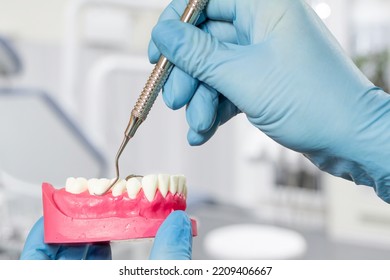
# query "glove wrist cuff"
(363, 156)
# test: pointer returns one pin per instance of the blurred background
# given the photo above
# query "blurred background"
(70, 73)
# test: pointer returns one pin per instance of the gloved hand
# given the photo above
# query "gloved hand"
(276, 62)
(173, 241)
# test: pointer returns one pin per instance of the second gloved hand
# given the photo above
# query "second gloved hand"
(276, 62)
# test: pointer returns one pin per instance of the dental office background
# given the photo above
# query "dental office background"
(70, 73)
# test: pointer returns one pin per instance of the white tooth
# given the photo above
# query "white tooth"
(91, 185)
(185, 191)
(119, 188)
(163, 184)
(181, 183)
(173, 184)
(133, 185)
(98, 186)
(69, 183)
(149, 185)
(76, 185)
(139, 179)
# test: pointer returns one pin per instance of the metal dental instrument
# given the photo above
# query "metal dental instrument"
(153, 86)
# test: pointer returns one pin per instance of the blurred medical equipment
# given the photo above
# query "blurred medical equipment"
(361, 219)
(38, 144)
(20, 205)
(10, 236)
(10, 63)
(277, 184)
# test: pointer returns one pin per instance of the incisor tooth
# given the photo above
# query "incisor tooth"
(91, 185)
(76, 185)
(185, 191)
(173, 184)
(133, 185)
(98, 186)
(163, 184)
(119, 188)
(181, 183)
(149, 185)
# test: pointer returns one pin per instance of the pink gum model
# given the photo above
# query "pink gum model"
(62, 227)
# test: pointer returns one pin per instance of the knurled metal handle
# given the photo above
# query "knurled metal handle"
(151, 89)
(163, 67)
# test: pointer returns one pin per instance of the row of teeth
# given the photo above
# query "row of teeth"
(149, 184)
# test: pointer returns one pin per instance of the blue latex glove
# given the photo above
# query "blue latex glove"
(173, 241)
(276, 62)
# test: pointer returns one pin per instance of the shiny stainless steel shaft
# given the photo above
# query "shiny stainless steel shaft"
(154, 84)
(159, 74)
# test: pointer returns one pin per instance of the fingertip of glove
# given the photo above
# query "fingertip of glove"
(177, 219)
(153, 53)
(179, 216)
(195, 139)
(167, 97)
(198, 124)
(178, 89)
(200, 118)
(174, 238)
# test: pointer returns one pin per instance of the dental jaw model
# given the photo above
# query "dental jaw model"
(132, 209)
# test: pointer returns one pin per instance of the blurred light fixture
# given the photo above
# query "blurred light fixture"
(322, 9)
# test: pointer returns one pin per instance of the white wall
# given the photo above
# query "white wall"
(37, 20)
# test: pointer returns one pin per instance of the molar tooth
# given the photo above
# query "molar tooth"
(133, 185)
(69, 183)
(149, 185)
(163, 184)
(98, 186)
(119, 188)
(173, 184)
(91, 184)
(181, 183)
(76, 185)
